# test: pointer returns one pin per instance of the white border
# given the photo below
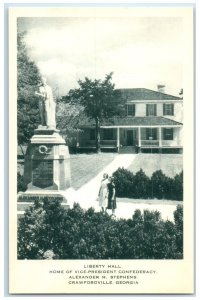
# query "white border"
(197, 121)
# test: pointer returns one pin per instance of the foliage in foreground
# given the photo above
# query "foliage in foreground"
(140, 186)
(48, 231)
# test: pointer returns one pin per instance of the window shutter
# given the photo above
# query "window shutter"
(172, 109)
(164, 109)
(155, 110)
(147, 133)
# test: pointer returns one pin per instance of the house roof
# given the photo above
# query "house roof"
(145, 94)
(133, 121)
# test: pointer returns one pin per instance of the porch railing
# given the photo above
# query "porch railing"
(103, 143)
(149, 142)
(108, 142)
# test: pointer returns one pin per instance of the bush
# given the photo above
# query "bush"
(21, 187)
(140, 186)
(48, 231)
(124, 182)
(178, 218)
(178, 186)
(159, 185)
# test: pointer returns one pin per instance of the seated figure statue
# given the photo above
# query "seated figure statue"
(47, 105)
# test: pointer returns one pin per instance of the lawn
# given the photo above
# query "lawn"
(170, 164)
(84, 167)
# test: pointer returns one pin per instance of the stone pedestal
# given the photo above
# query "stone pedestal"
(46, 167)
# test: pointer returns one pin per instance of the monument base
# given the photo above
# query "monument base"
(27, 199)
(46, 168)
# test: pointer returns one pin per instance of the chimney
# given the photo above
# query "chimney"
(181, 92)
(161, 88)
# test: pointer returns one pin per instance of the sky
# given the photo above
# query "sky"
(140, 51)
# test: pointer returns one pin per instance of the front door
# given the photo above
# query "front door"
(129, 137)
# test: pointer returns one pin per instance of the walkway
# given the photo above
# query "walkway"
(88, 193)
(86, 196)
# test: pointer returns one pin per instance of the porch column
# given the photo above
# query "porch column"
(160, 137)
(118, 138)
(139, 137)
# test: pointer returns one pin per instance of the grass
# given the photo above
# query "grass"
(84, 167)
(170, 164)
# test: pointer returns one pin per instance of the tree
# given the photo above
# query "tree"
(99, 100)
(28, 80)
(68, 116)
(38, 230)
(178, 218)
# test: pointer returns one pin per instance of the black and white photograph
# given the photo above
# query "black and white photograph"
(103, 109)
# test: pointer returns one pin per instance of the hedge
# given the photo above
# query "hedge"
(48, 231)
(140, 186)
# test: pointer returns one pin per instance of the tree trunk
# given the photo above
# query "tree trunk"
(98, 149)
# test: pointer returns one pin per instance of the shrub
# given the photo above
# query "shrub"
(140, 186)
(21, 187)
(178, 218)
(48, 231)
(38, 229)
(178, 186)
(124, 182)
(159, 185)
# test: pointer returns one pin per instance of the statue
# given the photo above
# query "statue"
(47, 105)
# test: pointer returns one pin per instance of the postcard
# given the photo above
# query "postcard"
(101, 141)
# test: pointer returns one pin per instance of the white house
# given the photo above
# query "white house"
(153, 122)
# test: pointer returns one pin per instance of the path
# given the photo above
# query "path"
(88, 193)
(86, 196)
(126, 210)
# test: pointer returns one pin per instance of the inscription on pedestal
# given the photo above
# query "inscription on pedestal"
(42, 172)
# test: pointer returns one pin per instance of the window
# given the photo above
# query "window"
(107, 134)
(92, 134)
(168, 109)
(151, 110)
(130, 109)
(168, 134)
(151, 133)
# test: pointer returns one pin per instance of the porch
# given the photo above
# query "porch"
(133, 139)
